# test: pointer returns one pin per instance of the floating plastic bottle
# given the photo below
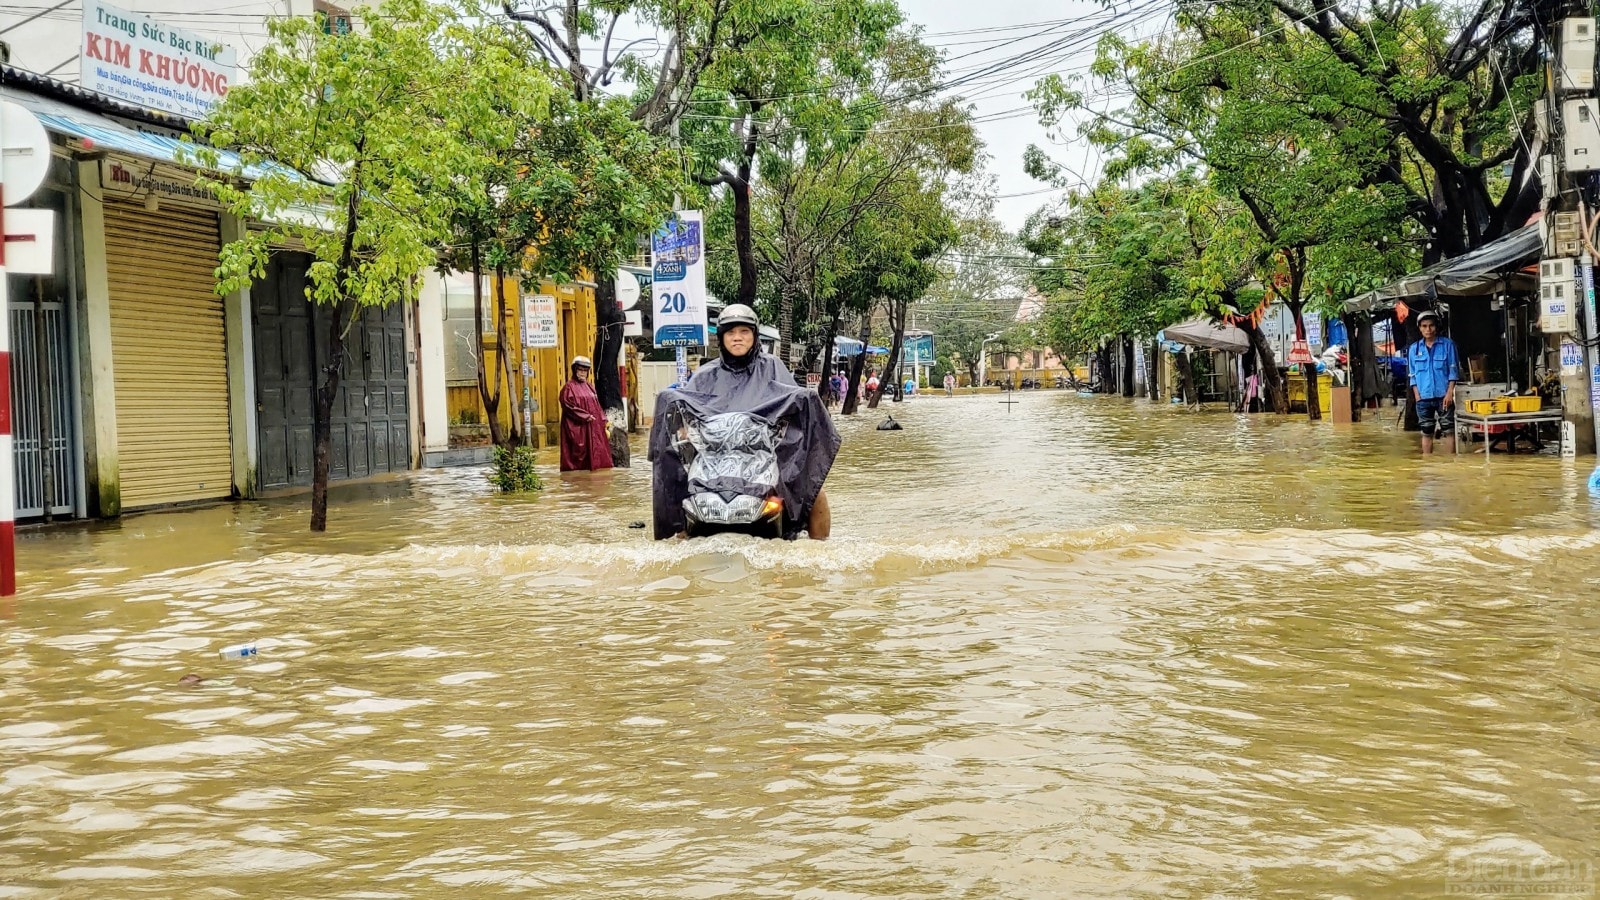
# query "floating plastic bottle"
(238, 651)
(1594, 482)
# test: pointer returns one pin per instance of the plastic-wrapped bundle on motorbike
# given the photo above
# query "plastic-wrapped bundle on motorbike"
(754, 469)
(732, 471)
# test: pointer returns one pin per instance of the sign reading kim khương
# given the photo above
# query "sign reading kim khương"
(136, 59)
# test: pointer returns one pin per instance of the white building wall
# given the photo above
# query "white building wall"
(47, 41)
(431, 365)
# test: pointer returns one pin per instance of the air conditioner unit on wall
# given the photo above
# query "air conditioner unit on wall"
(1577, 54)
(1557, 296)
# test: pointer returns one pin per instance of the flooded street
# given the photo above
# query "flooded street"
(1080, 647)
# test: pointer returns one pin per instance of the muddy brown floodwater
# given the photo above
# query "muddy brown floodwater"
(1078, 647)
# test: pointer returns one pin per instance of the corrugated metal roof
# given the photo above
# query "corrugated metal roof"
(88, 100)
(99, 131)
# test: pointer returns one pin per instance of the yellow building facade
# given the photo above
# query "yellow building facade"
(546, 369)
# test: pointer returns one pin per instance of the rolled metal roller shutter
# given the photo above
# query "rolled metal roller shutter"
(169, 355)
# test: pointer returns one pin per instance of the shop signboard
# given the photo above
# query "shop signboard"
(678, 263)
(1300, 353)
(919, 350)
(539, 322)
(1313, 329)
(145, 62)
(164, 185)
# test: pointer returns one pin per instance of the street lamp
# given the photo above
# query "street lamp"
(983, 358)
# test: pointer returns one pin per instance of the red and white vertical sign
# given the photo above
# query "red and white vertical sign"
(24, 160)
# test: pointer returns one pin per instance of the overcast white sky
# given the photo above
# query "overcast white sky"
(1001, 48)
(1024, 40)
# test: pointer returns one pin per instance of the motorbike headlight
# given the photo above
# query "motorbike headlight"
(712, 509)
(707, 508)
(744, 509)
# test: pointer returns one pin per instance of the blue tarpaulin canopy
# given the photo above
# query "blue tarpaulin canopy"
(843, 346)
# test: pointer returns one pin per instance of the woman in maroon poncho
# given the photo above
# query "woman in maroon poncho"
(584, 442)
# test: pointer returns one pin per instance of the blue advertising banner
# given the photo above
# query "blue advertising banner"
(677, 252)
(919, 350)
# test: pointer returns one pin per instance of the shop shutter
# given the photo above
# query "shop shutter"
(169, 355)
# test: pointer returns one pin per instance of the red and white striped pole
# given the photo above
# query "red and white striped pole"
(8, 474)
(24, 159)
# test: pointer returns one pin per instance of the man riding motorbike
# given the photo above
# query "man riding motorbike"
(747, 379)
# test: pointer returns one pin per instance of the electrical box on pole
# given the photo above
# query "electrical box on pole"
(1557, 296)
(1577, 55)
(1580, 122)
(1566, 237)
(1549, 186)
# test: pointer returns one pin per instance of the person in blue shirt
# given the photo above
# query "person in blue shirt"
(1432, 361)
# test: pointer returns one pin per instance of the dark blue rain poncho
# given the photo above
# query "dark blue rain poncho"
(765, 388)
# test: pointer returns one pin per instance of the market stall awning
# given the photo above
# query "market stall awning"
(1208, 334)
(1493, 268)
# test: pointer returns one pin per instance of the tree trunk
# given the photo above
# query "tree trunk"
(607, 342)
(852, 391)
(825, 386)
(509, 385)
(890, 379)
(1313, 403)
(1127, 365)
(322, 424)
(889, 373)
(785, 320)
(322, 420)
(744, 244)
(1277, 397)
(1152, 389)
(1185, 369)
(607, 353)
(1102, 361)
(489, 395)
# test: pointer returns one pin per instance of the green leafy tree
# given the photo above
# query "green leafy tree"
(1424, 102)
(380, 113)
(817, 189)
(801, 67)
(495, 214)
(981, 281)
(624, 176)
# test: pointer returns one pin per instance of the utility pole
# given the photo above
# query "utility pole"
(1570, 126)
